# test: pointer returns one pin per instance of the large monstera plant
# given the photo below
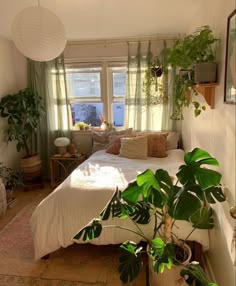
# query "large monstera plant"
(156, 196)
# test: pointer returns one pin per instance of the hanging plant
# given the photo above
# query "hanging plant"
(184, 87)
(154, 84)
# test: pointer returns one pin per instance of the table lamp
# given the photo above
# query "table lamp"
(61, 143)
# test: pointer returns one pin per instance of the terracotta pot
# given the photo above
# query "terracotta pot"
(169, 277)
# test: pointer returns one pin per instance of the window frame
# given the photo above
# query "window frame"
(106, 84)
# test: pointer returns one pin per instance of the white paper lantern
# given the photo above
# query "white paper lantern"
(38, 34)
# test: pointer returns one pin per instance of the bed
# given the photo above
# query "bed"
(84, 194)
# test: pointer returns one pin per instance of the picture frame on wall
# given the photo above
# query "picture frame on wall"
(230, 61)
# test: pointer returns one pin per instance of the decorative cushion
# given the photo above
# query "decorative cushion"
(157, 145)
(101, 138)
(134, 147)
(172, 138)
(115, 143)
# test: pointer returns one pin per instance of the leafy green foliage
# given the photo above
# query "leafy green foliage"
(198, 47)
(194, 272)
(130, 261)
(90, 231)
(11, 178)
(22, 111)
(166, 199)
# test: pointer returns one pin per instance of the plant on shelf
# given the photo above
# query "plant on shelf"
(195, 54)
(22, 111)
(157, 198)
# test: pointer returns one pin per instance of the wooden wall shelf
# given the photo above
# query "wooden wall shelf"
(208, 91)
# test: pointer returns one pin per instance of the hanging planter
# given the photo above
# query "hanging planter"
(154, 84)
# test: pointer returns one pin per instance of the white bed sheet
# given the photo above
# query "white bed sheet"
(68, 208)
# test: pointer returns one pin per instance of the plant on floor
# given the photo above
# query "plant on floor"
(163, 199)
(22, 111)
(193, 53)
(12, 179)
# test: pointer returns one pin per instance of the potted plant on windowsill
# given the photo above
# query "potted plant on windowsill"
(154, 197)
(196, 54)
(23, 111)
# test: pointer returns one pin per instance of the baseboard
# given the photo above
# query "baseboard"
(207, 267)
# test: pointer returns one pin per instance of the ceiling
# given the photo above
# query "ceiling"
(110, 19)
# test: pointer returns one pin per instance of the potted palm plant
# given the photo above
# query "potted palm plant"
(23, 111)
(161, 199)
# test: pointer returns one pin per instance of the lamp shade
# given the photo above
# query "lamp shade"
(38, 34)
(61, 141)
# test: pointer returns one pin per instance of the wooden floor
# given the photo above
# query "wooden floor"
(23, 198)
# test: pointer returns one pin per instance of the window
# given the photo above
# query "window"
(97, 90)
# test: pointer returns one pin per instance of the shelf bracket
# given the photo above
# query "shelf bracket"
(208, 91)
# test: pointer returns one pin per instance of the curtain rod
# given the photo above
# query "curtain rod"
(120, 41)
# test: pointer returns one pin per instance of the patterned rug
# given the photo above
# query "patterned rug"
(77, 265)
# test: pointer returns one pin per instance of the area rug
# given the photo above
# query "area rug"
(77, 265)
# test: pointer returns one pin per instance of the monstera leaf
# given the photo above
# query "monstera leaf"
(130, 261)
(90, 231)
(193, 172)
(186, 201)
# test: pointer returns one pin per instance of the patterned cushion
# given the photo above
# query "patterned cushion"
(134, 148)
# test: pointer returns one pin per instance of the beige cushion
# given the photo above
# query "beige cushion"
(115, 143)
(157, 145)
(134, 148)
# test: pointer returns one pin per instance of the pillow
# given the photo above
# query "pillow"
(101, 138)
(134, 147)
(172, 138)
(115, 143)
(114, 146)
(157, 145)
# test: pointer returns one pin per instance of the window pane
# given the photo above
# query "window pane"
(119, 84)
(118, 114)
(87, 112)
(84, 84)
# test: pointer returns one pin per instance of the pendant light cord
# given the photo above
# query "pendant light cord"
(39, 3)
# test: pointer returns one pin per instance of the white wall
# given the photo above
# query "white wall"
(12, 78)
(214, 131)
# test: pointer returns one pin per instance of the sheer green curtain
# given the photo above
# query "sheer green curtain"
(48, 78)
(141, 113)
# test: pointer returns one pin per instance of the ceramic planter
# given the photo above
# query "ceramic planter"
(169, 277)
(205, 72)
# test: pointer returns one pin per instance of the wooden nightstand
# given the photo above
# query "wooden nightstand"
(61, 167)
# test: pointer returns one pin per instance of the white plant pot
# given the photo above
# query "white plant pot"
(169, 277)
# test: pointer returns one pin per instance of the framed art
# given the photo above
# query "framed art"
(230, 61)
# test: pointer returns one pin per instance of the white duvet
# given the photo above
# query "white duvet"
(84, 194)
